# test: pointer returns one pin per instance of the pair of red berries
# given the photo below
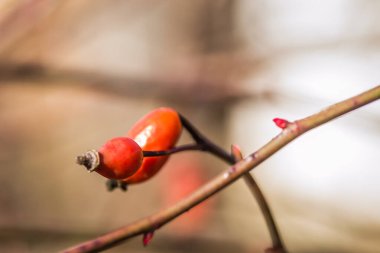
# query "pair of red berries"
(122, 158)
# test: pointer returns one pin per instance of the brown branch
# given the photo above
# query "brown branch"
(292, 131)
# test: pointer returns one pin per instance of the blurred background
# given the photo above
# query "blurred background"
(73, 74)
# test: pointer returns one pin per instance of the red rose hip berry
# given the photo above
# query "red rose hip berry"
(118, 158)
(158, 130)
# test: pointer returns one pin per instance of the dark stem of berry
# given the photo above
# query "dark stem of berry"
(201, 144)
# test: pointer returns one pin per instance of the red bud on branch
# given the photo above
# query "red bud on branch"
(147, 237)
(281, 123)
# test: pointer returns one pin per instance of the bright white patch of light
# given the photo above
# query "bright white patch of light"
(142, 137)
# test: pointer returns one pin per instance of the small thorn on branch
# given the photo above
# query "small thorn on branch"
(236, 152)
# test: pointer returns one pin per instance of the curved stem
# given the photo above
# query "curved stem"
(278, 246)
(208, 145)
(291, 132)
(267, 213)
(201, 144)
(177, 149)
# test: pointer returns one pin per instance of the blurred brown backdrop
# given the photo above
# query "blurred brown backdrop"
(76, 73)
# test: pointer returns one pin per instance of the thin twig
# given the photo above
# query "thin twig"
(174, 150)
(278, 246)
(207, 145)
(292, 131)
(202, 144)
